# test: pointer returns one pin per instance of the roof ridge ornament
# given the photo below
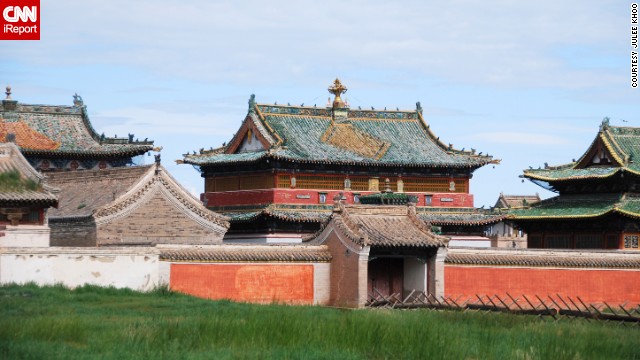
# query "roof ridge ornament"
(605, 123)
(8, 103)
(252, 103)
(337, 89)
(77, 100)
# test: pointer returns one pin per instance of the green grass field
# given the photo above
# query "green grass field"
(91, 322)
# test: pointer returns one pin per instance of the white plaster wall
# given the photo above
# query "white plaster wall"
(276, 238)
(415, 275)
(137, 268)
(25, 236)
(470, 243)
(321, 283)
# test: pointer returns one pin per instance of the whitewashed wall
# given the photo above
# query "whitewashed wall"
(134, 268)
(25, 236)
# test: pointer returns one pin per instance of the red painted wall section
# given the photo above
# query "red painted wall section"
(311, 197)
(240, 197)
(449, 200)
(592, 286)
(290, 284)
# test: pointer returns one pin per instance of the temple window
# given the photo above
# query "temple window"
(428, 200)
(631, 241)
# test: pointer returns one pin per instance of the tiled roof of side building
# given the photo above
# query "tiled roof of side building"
(621, 146)
(26, 186)
(106, 195)
(544, 258)
(462, 218)
(62, 131)
(82, 192)
(300, 213)
(580, 206)
(516, 201)
(318, 135)
(249, 253)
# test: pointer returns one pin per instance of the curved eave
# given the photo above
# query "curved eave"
(342, 162)
(56, 154)
(559, 217)
(609, 143)
(301, 219)
(34, 202)
(382, 163)
(242, 218)
(627, 213)
(548, 179)
(189, 161)
(406, 246)
(468, 223)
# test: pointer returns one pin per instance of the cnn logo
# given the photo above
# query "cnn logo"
(15, 13)
(20, 20)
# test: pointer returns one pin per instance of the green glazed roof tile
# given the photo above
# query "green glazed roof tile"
(623, 143)
(70, 129)
(302, 134)
(580, 206)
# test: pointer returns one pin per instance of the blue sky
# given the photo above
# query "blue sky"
(527, 82)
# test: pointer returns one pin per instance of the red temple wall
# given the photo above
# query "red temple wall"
(257, 283)
(311, 197)
(591, 285)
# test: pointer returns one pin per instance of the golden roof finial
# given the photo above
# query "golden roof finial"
(337, 89)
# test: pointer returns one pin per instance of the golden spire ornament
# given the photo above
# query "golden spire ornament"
(337, 89)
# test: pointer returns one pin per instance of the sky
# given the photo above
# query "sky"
(528, 82)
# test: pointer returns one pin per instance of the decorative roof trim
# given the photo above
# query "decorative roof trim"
(547, 259)
(613, 207)
(614, 171)
(609, 142)
(249, 253)
(247, 124)
(269, 128)
(582, 216)
(440, 222)
(626, 212)
(343, 220)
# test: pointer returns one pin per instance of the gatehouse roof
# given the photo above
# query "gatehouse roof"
(383, 226)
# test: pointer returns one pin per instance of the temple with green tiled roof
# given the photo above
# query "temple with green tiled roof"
(62, 137)
(285, 164)
(598, 205)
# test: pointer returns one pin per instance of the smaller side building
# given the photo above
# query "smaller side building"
(381, 250)
(504, 234)
(24, 201)
(598, 206)
(141, 205)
